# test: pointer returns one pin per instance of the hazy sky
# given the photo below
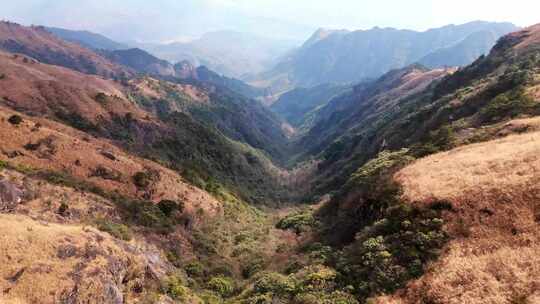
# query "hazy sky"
(410, 14)
(160, 20)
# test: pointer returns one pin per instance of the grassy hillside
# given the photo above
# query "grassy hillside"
(44, 46)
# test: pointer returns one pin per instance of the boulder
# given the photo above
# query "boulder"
(10, 196)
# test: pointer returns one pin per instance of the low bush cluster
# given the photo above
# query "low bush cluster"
(222, 285)
(391, 251)
(299, 221)
(314, 284)
(119, 231)
(145, 179)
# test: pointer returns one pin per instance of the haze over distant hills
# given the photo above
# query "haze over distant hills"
(231, 53)
(87, 39)
(345, 57)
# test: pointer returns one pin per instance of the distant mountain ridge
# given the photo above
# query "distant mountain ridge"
(87, 39)
(40, 44)
(140, 61)
(348, 57)
(230, 53)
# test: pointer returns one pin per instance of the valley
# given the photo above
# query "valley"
(125, 178)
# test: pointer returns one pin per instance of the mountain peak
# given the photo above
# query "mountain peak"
(321, 34)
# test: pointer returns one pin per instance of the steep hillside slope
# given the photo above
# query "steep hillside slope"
(297, 106)
(206, 75)
(140, 61)
(71, 259)
(494, 222)
(234, 115)
(193, 140)
(346, 123)
(53, 146)
(496, 87)
(161, 240)
(349, 57)
(40, 44)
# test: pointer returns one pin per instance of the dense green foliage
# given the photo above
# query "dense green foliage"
(298, 221)
(119, 231)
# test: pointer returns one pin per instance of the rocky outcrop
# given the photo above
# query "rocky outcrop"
(10, 196)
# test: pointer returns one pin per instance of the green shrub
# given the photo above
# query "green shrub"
(275, 283)
(63, 209)
(252, 267)
(15, 119)
(77, 121)
(175, 288)
(145, 179)
(336, 297)
(222, 285)
(392, 250)
(147, 214)
(509, 104)
(210, 298)
(169, 207)
(142, 180)
(194, 269)
(379, 166)
(119, 231)
(298, 222)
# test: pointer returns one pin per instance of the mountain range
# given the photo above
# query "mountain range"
(341, 56)
(230, 53)
(125, 178)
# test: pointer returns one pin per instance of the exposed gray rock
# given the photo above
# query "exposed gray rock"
(10, 196)
(66, 251)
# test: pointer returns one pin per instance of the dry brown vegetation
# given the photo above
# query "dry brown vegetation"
(42, 89)
(37, 42)
(529, 36)
(494, 223)
(156, 89)
(50, 263)
(79, 155)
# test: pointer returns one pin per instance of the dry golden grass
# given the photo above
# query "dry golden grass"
(529, 35)
(155, 89)
(42, 89)
(35, 268)
(507, 164)
(37, 40)
(43, 201)
(81, 157)
(495, 226)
